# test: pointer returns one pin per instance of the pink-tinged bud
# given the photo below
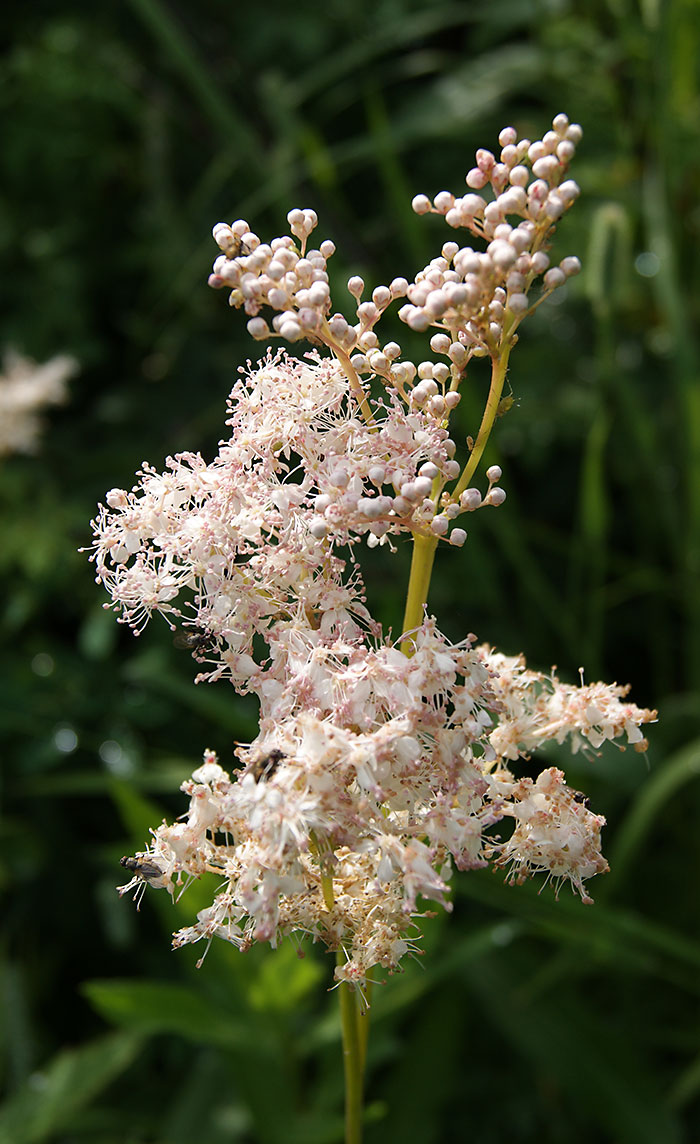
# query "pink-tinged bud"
(378, 362)
(369, 507)
(422, 487)
(554, 278)
(456, 294)
(518, 304)
(359, 363)
(443, 201)
(376, 474)
(291, 331)
(502, 253)
(418, 321)
(470, 499)
(507, 137)
(540, 262)
(356, 286)
(473, 205)
(392, 350)
(494, 473)
(436, 303)
(398, 287)
(278, 299)
(495, 497)
(420, 204)
(457, 537)
(319, 294)
(452, 399)
(569, 190)
(439, 525)
(451, 469)
(570, 266)
(338, 326)
(381, 296)
(215, 281)
(258, 329)
(368, 313)
(476, 179)
(440, 343)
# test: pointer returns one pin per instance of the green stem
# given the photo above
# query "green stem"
(418, 584)
(498, 377)
(354, 1042)
(424, 546)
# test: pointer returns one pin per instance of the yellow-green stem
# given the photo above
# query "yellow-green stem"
(353, 1057)
(498, 377)
(418, 584)
(424, 546)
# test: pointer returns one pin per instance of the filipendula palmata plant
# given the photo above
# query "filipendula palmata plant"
(379, 764)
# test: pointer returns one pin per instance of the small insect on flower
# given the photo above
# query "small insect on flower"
(196, 642)
(145, 873)
(581, 798)
(266, 765)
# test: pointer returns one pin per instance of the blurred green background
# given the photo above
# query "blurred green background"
(130, 128)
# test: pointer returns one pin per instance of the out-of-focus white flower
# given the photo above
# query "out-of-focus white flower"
(26, 388)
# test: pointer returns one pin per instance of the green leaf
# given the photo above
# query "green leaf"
(148, 1007)
(51, 1096)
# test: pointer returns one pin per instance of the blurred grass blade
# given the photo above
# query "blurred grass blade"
(682, 767)
(45, 1104)
(199, 78)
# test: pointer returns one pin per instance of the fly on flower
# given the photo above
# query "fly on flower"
(266, 765)
(145, 873)
(196, 642)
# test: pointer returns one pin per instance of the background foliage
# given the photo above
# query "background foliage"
(130, 128)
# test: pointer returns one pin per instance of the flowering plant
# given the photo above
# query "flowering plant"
(379, 763)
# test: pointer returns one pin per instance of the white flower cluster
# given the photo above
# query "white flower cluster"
(373, 773)
(378, 766)
(25, 389)
(247, 545)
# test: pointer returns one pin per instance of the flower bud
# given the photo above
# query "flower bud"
(421, 204)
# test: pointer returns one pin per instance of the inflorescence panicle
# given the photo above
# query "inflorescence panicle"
(379, 764)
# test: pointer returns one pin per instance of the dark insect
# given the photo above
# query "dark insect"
(581, 798)
(145, 872)
(196, 642)
(266, 765)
